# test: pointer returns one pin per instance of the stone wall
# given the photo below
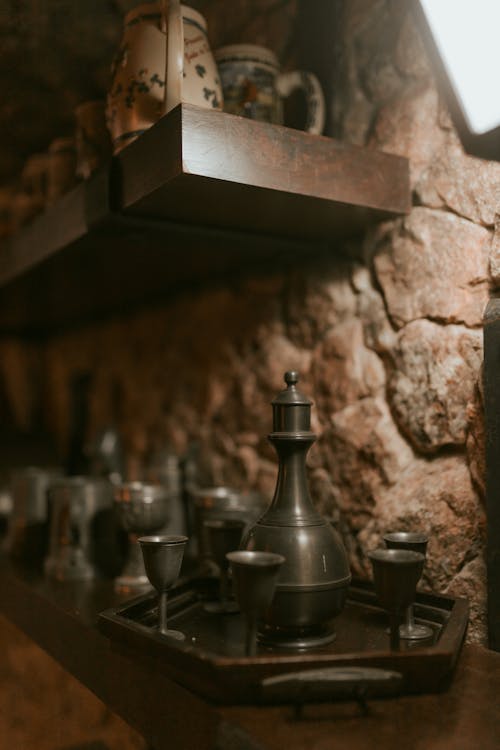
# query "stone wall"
(389, 346)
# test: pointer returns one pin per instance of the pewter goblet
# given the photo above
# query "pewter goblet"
(223, 536)
(163, 559)
(255, 575)
(395, 576)
(142, 509)
(417, 542)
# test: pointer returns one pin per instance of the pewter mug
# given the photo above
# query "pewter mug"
(28, 532)
(80, 546)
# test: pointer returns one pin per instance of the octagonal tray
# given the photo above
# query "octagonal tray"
(359, 663)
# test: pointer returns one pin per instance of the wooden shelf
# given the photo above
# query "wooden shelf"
(201, 194)
(222, 170)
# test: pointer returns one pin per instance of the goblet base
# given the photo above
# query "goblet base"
(316, 639)
(222, 608)
(415, 632)
(175, 634)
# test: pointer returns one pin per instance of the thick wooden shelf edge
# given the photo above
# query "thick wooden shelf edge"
(221, 169)
(200, 195)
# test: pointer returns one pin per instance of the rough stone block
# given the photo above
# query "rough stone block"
(435, 265)
(433, 381)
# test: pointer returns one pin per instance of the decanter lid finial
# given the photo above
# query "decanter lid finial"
(291, 395)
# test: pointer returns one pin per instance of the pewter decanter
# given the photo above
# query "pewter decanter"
(314, 578)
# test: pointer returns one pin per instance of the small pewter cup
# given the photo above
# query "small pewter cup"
(163, 557)
(255, 575)
(142, 509)
(396, 573)
(416, 541)
(224, 504)
(223, 536)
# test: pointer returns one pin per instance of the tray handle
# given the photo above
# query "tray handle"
(330, 683)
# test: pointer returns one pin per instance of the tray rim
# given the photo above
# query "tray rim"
(184, 662)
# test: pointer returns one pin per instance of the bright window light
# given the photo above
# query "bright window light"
(466, 33)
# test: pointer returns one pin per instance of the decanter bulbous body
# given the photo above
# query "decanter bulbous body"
(315, 576)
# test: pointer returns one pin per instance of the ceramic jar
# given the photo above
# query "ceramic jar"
(137, 94)
(34, 179)
(61, 172)
(254, 87)
(93, 145)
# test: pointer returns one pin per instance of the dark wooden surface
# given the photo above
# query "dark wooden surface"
(128, 263)
(491, 379)
(62, 619)
(200, 197)
(222, 170)
(212, 662)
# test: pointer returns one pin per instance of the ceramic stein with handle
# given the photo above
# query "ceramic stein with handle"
(254, 87)
(136, 99)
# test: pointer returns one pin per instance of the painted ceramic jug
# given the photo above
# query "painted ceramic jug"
(254, 87)
(136, 99)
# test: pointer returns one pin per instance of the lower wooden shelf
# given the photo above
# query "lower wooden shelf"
(62, 619)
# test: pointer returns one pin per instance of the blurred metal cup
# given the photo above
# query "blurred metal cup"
(77, 550)
(28, 532)
(223, 504)
(141, 509)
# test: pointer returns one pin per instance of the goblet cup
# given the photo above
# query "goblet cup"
(142, 509)
(417, 542)
(255, 575)
(223, 536)
(163, 559)
(395, 576)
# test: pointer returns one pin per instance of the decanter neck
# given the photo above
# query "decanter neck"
(292, 504)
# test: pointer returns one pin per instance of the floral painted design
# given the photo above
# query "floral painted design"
(138, 85)
(211, 95)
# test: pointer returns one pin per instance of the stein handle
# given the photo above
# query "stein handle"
(174, 57)
(299, 79)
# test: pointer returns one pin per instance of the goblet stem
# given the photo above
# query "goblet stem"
(162, 613)
(251, 636)
(394, 630)
(410, 630)
(410, 618)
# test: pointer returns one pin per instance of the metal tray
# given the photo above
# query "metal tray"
(359, 662)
